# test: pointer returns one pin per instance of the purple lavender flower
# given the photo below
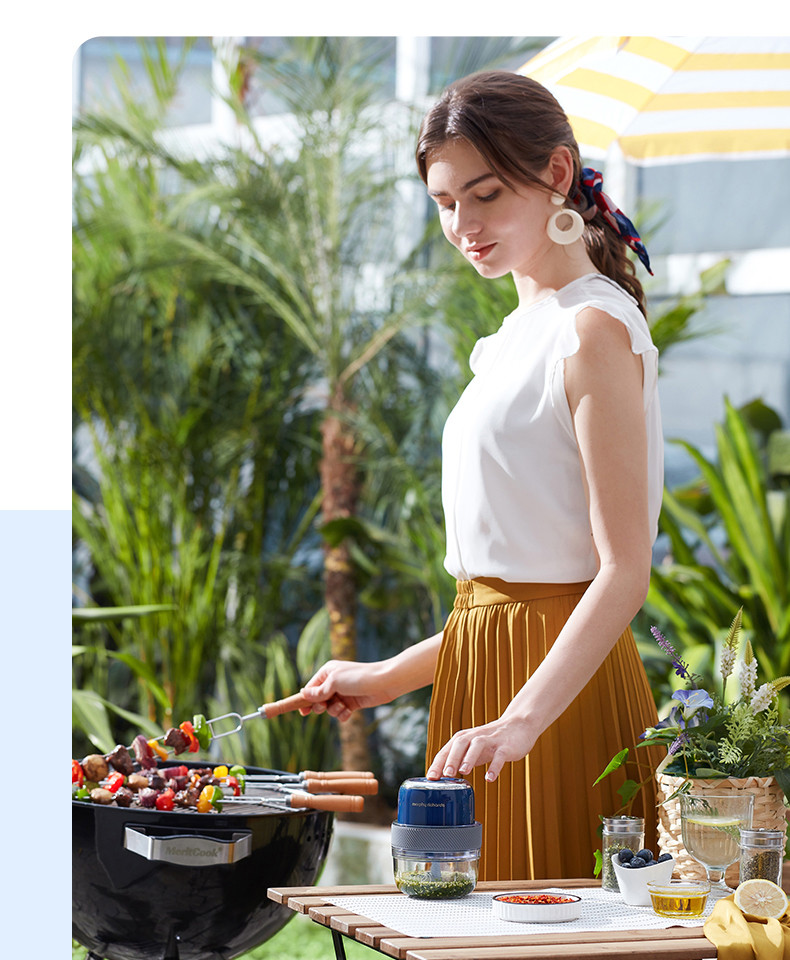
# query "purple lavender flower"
(677, 743)
(681, 668)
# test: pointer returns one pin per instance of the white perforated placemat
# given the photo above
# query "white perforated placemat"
(472, 916)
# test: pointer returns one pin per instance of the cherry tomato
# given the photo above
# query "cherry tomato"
(77, 773)
(165, 800)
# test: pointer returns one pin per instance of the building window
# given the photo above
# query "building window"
(106, 61)
(284, 57)
(455, 57)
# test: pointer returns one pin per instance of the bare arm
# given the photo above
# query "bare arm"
(603, 383)
(342, 686)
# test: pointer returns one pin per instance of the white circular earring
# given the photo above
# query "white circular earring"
(564, 226)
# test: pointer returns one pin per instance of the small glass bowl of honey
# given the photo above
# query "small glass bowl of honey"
(679, 899)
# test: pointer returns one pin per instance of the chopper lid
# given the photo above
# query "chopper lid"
(449, 801)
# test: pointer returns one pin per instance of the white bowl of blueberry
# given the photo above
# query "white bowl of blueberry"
(635, 870)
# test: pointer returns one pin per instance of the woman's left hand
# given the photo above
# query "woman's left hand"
(495, 743)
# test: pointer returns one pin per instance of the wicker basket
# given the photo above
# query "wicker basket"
(769, 813)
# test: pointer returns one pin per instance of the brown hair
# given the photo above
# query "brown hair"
(514, 123)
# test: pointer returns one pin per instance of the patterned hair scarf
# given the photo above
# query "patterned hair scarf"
(591, 191)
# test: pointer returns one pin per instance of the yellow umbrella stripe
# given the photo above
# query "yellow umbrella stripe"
(737, 61)
(661, 51)
(705, 142)
(604, 84)
(546, 66)
(591, 134)
(718, 101)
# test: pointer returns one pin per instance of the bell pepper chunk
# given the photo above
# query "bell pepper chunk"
(201, 730)
(158, 749)
(114, 782)
(186, 726)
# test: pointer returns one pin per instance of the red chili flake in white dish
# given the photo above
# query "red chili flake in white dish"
(533, 898)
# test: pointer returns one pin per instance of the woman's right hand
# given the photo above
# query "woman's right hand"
(340, 687)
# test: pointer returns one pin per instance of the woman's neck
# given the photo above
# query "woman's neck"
(566, 265)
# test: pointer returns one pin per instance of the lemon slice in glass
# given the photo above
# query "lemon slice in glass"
(761, 898)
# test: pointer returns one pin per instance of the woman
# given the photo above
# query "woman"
(552, 480)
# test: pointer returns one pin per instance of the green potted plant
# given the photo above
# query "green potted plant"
(716, 741)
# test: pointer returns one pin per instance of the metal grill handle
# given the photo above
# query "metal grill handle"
(189, 850)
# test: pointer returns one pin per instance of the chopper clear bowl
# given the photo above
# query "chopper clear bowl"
(436, 879)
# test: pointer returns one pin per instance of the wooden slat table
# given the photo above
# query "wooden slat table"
(674, 943)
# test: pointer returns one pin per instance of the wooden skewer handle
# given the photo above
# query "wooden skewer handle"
(286, 705)
(344, 804)
(336, 774)
(365, 786)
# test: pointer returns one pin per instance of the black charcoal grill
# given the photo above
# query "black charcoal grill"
(173, 885)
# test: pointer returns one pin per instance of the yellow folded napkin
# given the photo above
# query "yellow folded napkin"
(741, 936)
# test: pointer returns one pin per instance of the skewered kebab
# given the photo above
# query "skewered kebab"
(177, 786)
(198, 733)
(148, 788)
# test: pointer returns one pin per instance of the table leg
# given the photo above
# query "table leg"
(340, 949)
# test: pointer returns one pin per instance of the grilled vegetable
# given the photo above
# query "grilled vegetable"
(157, 749)
(165, 800)
(186, 726)
(114, 782)
(201, 730)
(95, 767)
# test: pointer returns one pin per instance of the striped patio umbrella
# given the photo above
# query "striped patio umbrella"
(672, 99)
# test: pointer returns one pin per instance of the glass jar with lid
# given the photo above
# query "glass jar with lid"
(619, 833)
(761, 855)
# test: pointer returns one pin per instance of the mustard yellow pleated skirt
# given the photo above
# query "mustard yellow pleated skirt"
(541, 816)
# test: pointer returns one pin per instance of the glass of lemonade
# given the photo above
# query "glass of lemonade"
(710, 827)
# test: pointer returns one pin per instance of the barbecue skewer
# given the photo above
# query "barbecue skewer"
(266, 710)
(366, 786)
(322, 801)
(305, 775)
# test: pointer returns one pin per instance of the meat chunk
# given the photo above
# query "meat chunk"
(176, 739)
(143, 754)
(124, 797)
(119, 758)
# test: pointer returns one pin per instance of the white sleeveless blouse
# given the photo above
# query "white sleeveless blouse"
(512, 489)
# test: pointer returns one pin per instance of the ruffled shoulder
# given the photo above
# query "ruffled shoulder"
(603, 294)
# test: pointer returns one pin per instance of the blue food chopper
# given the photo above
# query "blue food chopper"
(435, 840)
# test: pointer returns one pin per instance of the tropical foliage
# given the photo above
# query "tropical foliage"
(727, 538)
